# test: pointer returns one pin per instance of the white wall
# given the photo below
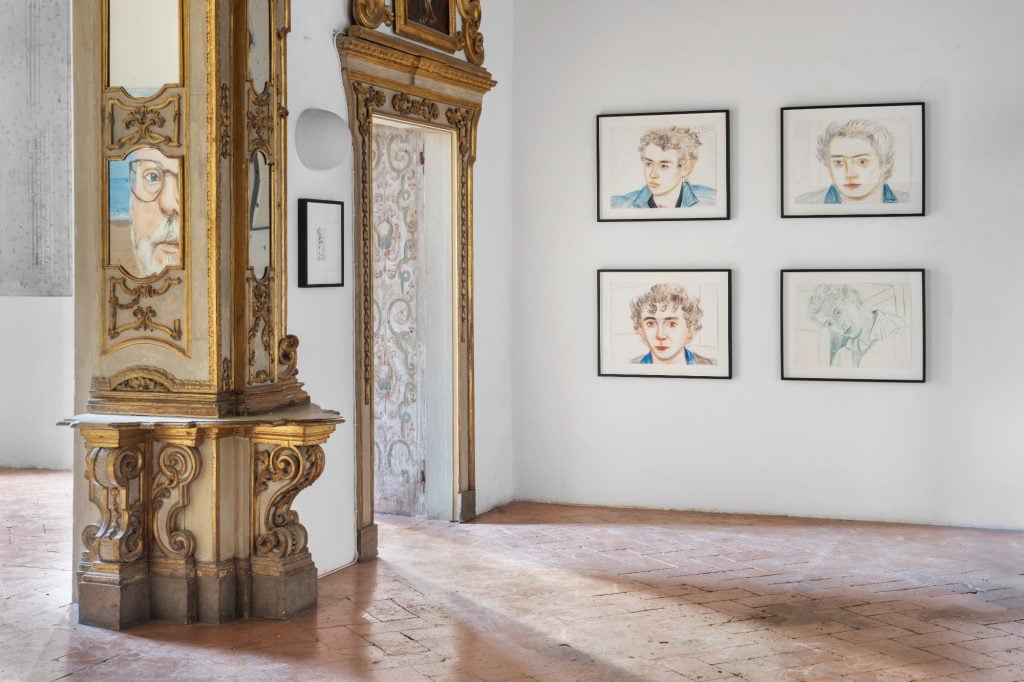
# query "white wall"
(494, 240)
(323, 318)
(950, 451)
(38, 385)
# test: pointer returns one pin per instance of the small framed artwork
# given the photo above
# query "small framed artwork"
(672, 166)
(321, 243)
(664, 323)
(431, 22)
(853, 325)
(853, 161)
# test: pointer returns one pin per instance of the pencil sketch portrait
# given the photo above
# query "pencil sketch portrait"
(668, 166)
(865, 330)
(667, 158)
(859, 156)
(666, 319)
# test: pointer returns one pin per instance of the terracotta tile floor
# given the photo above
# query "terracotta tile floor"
(547, 592)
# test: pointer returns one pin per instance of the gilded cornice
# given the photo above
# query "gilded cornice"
(388, 52)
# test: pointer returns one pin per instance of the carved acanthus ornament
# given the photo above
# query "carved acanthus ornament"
(145, 316)
(288, 357)
(224, 121)
(368, 99)
(176, 467)
(260, 123)
(372, 13)
(407, 106)
(463, 120)
(135, 124)
(470, 39)
(115, 487)
(278, 531)
(143, 384)
(261, 312)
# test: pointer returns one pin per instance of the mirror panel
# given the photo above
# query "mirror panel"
(259, 43)
(259, 214)
(144, 45)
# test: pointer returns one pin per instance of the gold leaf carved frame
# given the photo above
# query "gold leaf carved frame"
(394, 79)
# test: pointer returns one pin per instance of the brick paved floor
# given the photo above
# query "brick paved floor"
(548, 592)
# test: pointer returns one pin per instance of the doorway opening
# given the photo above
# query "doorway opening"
(414, 330)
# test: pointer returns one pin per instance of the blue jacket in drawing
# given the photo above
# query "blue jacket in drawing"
(691, 359)
(833, 196)
(689, 195)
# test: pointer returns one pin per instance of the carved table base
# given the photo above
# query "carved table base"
(195, 519)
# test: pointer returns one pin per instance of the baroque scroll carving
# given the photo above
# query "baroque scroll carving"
(260, 123)
(470, 39)
(368, 98)
(134, 124)
(288, 357)
(410, 106)
(279, 475)
(463, 120)
(114, 477)
(176, 467)
(224, 121)
(261, 312)
(145, 316)
(372, 13)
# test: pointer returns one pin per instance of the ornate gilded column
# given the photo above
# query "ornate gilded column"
(286, 459)
(182, 349)
(114, 572)
(176, 463)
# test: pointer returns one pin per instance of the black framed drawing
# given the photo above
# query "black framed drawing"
(664, 323)
(853, 325)
(668, 166)
(853, 160)
(321, 243)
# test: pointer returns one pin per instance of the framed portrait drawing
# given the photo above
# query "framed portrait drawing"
(854, 160)
(664, 323)
(853, 325)
(672, 166)
(431, 22)
(321, 243)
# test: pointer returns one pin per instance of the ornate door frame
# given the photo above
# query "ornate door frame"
(390, 77)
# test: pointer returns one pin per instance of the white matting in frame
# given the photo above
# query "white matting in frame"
(857, 160)
(664, 323)
(321, 243)
(670, 166)
(853, 325)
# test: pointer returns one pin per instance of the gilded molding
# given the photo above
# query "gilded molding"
(132, 125)
(367, 99)
(464, 121)
(470, 39)
(372, 13)
(115, 487)
(145, 378)
(224, 121)
(410, 106)
(277, 531)
(261, 314)
(176, 468)
(397, 55)
(142, 385)
(145, 316)
(288, 357)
